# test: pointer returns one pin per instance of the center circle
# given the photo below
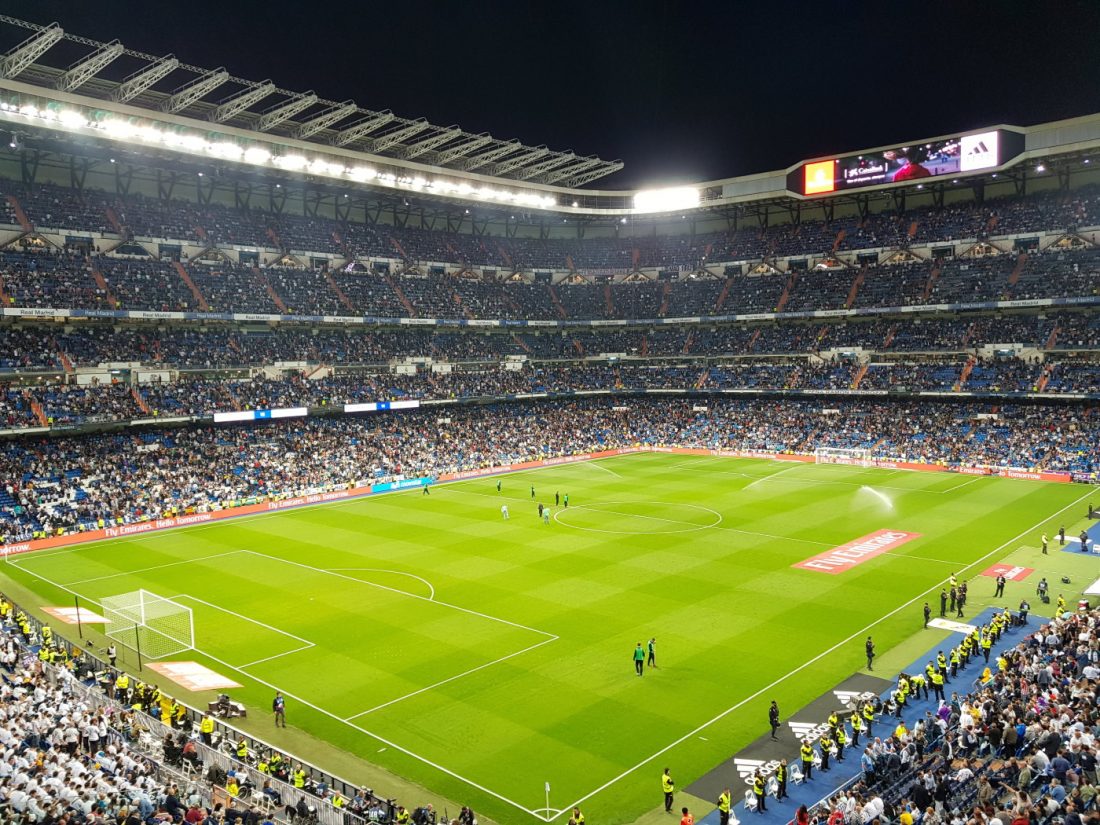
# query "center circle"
(639, 518)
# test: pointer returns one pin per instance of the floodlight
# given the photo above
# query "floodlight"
(666, 200)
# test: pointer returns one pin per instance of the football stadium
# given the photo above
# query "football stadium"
(356, 469)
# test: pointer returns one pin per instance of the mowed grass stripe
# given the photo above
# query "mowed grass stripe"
(729, 612)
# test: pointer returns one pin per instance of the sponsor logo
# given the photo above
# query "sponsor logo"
(819, 178)
(848, 697)
(954, 627)
(1011, 572)
(847, 556)
(978, 151)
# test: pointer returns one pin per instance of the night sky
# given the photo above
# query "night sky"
(679, 91)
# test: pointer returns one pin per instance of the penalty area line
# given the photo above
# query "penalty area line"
(329, 714)
(452, 678)
(814, 660)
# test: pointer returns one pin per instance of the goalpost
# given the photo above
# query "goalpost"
(151, 625)
(859, 456)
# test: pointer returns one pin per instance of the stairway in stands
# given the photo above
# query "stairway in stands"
(688, 341)
(401, 296)
(933, 276)
(1017, 271)
(341, 296)
(36, 408)
(964, 376)
(860, 373)
(269, 289)
(139, 401)
(1052, 339)
(196, 293)
(787, 289)
(115, 221)
(856, 284)
(556, 301)
(101, 282)
(723, 295)
(20, 215)
(666, 296)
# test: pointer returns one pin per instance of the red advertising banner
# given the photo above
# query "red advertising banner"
(186, 520)
(847, 556)
(1009, 571)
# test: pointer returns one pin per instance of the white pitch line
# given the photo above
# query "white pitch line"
(770, 476)
(305, 703)
(452, 678)
(144, 569)
(264, 625)
(276, 656)
(817, 658)
(918, 558)
(399, 592)
(960, 486)
(431, 590)
(595, 463)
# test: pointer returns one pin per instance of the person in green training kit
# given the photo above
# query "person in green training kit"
(639, 659)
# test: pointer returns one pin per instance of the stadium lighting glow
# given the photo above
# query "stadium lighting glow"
(123, 128)
(666, 200)
(257, 155)
(292, 162)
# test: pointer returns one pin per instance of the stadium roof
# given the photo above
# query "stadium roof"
(50, 57)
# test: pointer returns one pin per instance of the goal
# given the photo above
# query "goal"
(859, 456)
(151, 625)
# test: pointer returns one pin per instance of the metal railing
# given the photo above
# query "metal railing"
(150, 747)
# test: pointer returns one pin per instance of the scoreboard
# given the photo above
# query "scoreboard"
(910, 164)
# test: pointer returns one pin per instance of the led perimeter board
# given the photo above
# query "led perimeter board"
(907, 164)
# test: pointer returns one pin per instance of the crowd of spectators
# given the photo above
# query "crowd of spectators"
(63, 484)
(1015, 746)
(70, 280)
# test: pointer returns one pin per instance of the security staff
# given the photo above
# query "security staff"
(299, 777)
(857, 728)
(724, 807)
(826, 747)
(941, 663)
(919, 683)
(807, 752)
(954, 662)
(403, 816)
(841, 741)
(869, 716)
(833, 721)
(987, 644)
(781, 779)
(937, 685)
(206, 730)
(667, 787)
(242, 750)
(122, 688)
(758, 791)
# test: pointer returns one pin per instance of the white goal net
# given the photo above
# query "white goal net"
(151, 624)
(859, 456)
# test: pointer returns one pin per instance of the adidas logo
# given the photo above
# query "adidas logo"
(747, 767)
(847, 697)
(979, 148)
(803, 729)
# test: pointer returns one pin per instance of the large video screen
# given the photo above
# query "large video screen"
(903, 164)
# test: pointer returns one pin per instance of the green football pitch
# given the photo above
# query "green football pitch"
(483, 657)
